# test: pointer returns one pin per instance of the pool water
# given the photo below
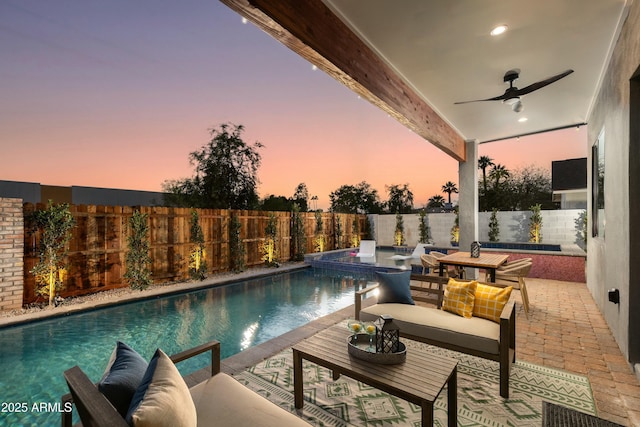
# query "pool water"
(33, 356)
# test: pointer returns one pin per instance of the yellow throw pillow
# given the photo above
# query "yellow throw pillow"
(490, 301)
(459, 297)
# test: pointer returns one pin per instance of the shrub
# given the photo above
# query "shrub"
(494, 227)
(56, 223)
(236, 247)
(198, 256)
(137, 260)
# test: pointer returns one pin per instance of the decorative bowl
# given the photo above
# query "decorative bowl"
(360, 350)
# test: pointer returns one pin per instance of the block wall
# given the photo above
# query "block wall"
(11, 253)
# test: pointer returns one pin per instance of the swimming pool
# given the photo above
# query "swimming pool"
(33, 356)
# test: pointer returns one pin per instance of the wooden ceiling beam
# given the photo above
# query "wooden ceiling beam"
(312, 30)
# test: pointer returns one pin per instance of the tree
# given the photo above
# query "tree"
(225, 173)
(518, 189)
(449, 187)
(276, 203)
(400, 199)
(301, 197)
(483, 163)
(436, 201)
(530, 186)
(56, 223)
(497, 173)
(360, 198)
(137, 258)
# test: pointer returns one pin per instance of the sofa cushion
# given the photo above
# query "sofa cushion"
(223, 401)
(395, 288)
(459, 297)
(163, 398)
(439, 326)
(490, 300)
(122, 377)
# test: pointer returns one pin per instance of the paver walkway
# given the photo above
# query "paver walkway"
(565, 330)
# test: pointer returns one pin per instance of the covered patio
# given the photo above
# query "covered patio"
(564, 331)
(419, 60)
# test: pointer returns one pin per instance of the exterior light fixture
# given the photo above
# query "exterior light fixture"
(500, 29)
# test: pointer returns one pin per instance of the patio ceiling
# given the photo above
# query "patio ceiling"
(416, 58)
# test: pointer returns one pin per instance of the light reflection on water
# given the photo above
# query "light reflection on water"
(33, 356)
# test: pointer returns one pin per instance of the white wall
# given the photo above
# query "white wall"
(558, 226)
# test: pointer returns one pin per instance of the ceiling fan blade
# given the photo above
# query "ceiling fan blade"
(543, 83)
(495, 98)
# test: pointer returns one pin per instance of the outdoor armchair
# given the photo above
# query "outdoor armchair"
(515, 272)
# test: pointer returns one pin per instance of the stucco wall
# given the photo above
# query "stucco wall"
(610, 259)
(558, 226)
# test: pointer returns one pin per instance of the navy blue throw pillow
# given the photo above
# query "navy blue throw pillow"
(394, 288)
(122, 377)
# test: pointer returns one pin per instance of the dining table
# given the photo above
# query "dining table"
(487, 261)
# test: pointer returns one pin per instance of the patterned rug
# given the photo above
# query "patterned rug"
(347, 402)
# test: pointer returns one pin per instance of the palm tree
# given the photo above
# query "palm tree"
(497, 173)
(483, 163)
(436, 201)
(449, 187)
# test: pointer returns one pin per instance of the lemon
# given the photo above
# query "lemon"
(371, 329)
(356, 327)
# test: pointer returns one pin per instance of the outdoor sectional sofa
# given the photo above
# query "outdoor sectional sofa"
(432, 325)
(219, 400)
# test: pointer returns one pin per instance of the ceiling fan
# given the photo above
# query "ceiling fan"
(512, 95)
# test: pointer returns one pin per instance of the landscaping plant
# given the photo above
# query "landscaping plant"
(236, 247)
(297, 233)
(455, 230)
(399, 233)
(424, 229)
(355, 232)
(198, 261)
(55, 223)
(319, 239)
(269, 253)
(338, 233)
(137, 259)
(494, 227)
(535, 224)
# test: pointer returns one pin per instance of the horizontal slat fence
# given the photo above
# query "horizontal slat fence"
(98, 244)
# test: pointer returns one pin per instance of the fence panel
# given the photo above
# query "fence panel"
(98, 245)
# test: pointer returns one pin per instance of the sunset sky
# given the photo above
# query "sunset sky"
(117, 94)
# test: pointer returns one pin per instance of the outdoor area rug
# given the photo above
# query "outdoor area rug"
(347, 402)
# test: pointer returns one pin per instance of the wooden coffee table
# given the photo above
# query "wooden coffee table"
(419, 380)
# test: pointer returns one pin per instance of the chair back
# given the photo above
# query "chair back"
(367, 248)
(429, 261)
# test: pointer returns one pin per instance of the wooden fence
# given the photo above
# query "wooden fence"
(99, 243)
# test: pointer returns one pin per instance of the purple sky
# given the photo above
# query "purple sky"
(117, 94)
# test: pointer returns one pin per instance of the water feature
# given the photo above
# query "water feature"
(34, 355)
